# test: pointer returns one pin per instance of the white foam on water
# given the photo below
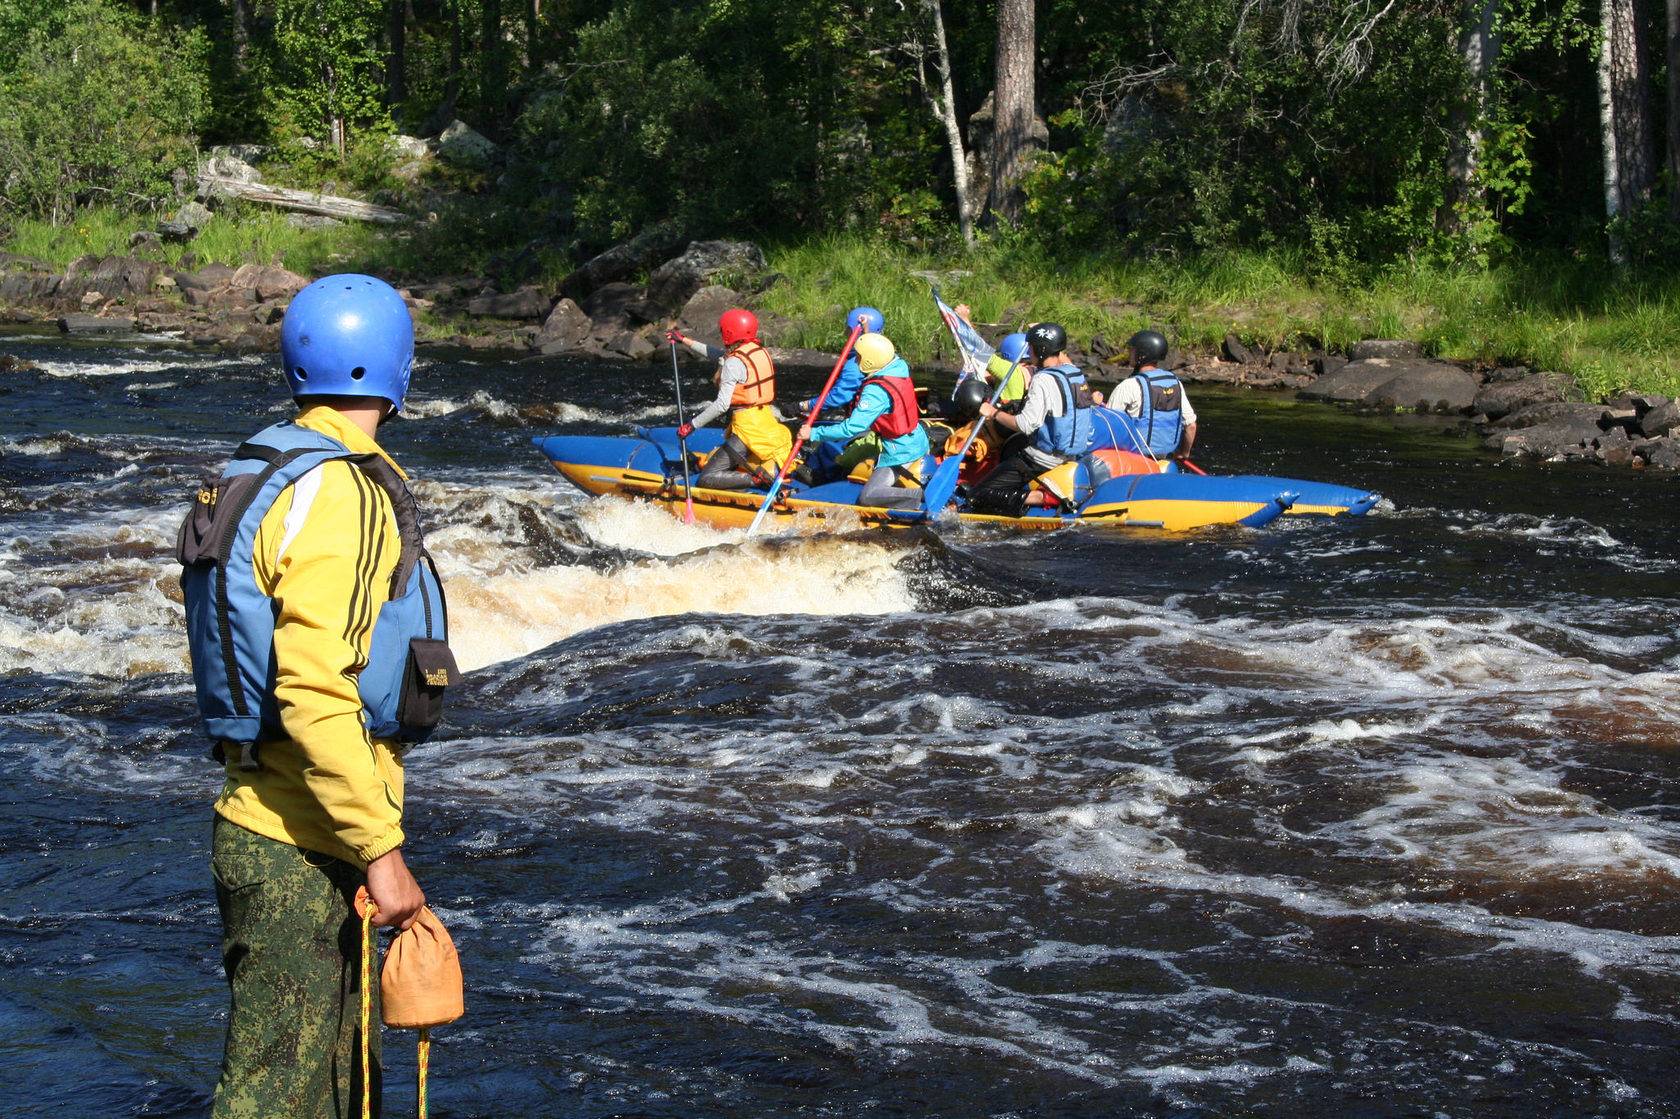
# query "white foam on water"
(517, 612)
(1500, 817)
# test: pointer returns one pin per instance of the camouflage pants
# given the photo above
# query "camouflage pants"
(291, 947)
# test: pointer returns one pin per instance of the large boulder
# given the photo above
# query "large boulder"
(623, 261)
(700, 314)
(702, 263)
(1560, 430)
(1398, 383)
(186, 223)
(226, 163)
(1664, 454)
(463, 146)
(1501, 398)
(618, 304)
(92, 279)
(1384, 347)
(28, 287)
(269, 281)
(1535, 415)
(565, 329)
(526, 303)
(95, 324)
(630, 344)
(1664, 419)
(1353, 383)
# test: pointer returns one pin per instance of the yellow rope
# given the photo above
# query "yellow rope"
(367, 1005)
(425, 1056)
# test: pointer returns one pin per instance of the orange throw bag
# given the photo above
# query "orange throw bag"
(421, 983)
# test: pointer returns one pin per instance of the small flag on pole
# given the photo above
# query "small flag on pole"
(974, 349)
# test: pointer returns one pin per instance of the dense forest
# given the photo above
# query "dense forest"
(1364, 130)
(1348, 137)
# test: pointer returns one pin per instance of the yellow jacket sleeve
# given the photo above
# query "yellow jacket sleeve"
(329, 572)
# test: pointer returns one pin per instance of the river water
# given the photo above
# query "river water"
(1364, 818)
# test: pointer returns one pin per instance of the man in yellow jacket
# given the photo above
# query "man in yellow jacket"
(316, 626)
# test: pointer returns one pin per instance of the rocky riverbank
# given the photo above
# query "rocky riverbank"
(601, 311)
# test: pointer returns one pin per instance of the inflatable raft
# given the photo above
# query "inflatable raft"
(647, 467)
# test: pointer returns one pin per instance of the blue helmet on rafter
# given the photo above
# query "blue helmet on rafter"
(1013, 347)
(348, 335)
(873, 321)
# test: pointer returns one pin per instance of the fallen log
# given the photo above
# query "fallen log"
(326, 205)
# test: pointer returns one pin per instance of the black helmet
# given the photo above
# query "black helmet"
(970, 394)
(1046, 339)
(1148, 346)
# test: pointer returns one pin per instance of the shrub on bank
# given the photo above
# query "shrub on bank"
(99, 109)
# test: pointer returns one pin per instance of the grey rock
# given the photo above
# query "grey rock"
(144, 239)
(1664, 419)
(206, 279)
(526, 303)
(1664, 454)
(565, 328)
(632, 345)
(1511, 373)
(411, 147)
(1502, 397)
(1554, 439)
(94, 324)
(702, 263)
(1384, 347)
(1402, 383)
(1354, 382)
(1327, 364)
(269, 281)
(10, 363)
(312, 221)
(1533, 415)
(463, 146)
(28, 287)
(617, 304)
(1234, 350)
(224, 163)
(700, 314)
(620, 262)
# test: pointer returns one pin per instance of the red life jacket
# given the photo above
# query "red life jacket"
(905, 413)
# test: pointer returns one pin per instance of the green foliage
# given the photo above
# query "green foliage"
(99, 108)
(328, 67)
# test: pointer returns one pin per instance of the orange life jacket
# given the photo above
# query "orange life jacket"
(760, 385)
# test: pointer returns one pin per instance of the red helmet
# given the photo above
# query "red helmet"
(737, 325)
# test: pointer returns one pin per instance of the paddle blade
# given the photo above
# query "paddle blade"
(937, 493)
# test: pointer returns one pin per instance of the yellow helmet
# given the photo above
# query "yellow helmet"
(873, 352)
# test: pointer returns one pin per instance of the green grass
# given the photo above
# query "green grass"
(1556, 312)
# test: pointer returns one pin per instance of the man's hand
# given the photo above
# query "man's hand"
(675, 337)
(394, 890)
(1098, 399)
(962, 312)
(805, 433)
(685, 431)
(987, 409)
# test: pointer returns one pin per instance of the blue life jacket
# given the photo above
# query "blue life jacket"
(1068, 434)
(1161, 423)
(230, 621)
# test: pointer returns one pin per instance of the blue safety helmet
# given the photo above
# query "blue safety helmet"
(348, 335)
(1013, 347)
(873, 321)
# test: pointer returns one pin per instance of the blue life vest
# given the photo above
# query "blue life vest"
(1161, 423)
(1068, 434)
(230, 621)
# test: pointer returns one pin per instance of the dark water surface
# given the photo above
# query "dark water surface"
(1371, 818)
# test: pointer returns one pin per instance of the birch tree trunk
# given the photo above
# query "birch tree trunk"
(1478, 45)
(1012, 126)
(1624, 109)
(945, 107)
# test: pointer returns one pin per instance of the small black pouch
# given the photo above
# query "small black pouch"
(207, 525)
(431, 671)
